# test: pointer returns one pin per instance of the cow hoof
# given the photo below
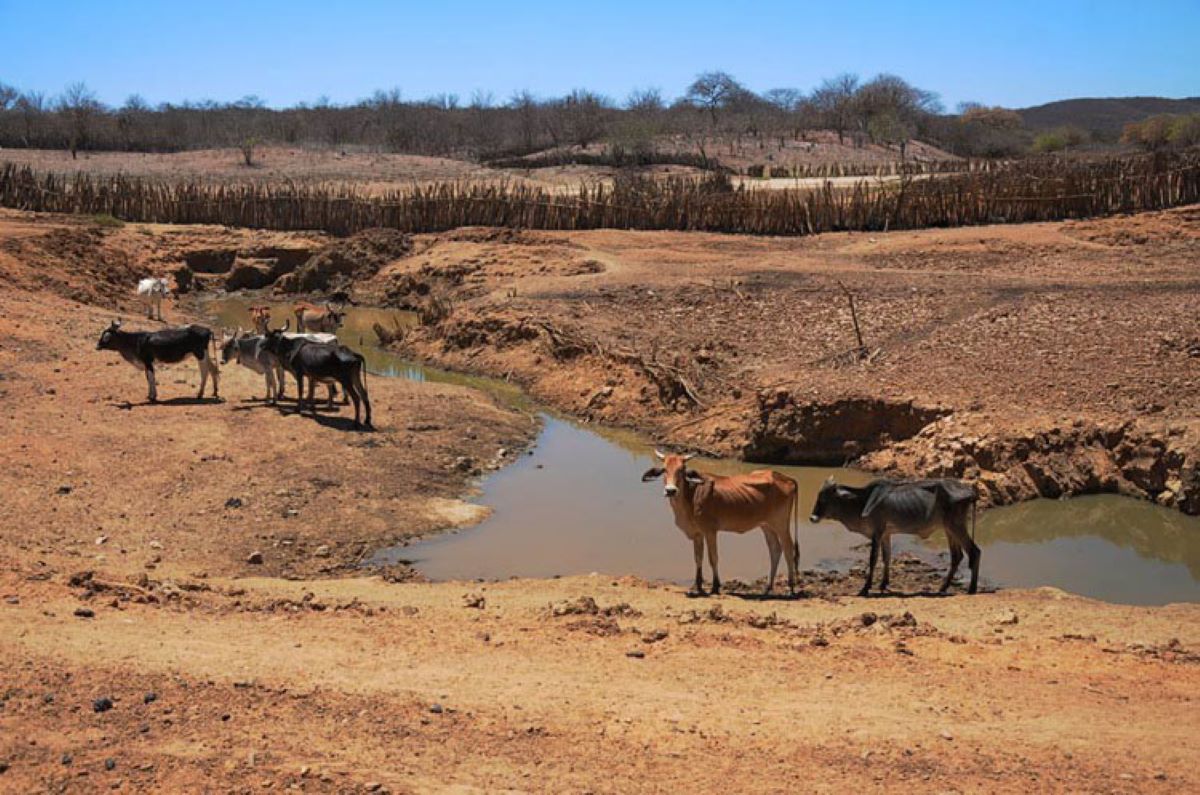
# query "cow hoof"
(865, 592)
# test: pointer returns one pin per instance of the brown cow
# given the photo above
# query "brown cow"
(706, 504)
(310, 317)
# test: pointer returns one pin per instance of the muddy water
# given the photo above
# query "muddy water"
(577, 505)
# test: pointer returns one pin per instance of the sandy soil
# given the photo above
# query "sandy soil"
(142, 651)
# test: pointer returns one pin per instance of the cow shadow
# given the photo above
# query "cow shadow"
(127, 405)
(326, 416)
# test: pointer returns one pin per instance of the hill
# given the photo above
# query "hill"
(1103, 115)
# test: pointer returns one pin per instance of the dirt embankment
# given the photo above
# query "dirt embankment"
(143, 650)
(1044, 359)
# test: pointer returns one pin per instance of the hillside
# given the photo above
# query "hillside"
(1105, 115)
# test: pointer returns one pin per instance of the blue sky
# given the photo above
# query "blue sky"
(1007, 52)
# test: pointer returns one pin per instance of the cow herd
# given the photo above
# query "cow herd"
(703, 504)
(312, 352)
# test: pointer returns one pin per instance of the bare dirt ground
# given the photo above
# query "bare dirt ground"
(143, 650)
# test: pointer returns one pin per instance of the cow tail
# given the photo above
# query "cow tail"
(796, 529)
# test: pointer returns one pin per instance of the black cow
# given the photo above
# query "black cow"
(320, 361)
(909, 507)
(143, 349)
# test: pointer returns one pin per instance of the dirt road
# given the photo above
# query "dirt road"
(143, 650)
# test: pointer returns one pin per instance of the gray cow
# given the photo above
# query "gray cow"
(251, 352)
(908, 507)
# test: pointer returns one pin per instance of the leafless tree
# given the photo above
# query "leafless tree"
(834, 99)
(712, 91)
(79, 106)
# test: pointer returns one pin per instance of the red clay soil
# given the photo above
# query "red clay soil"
(144, 651)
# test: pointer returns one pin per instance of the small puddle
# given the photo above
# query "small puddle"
(577, 505)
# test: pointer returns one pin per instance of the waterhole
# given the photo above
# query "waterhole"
(576, 504)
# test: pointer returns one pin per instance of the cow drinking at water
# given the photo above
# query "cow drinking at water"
(310, 317)
(323, 362)
(914, 507)
(706, 504)
(143, 349)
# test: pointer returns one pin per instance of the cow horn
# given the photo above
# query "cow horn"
(286, 324)
(661, 457)
(689, 457)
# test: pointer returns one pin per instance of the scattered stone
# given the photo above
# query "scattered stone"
(654, 636)
(255, 558)
(868, 618)
(65, 488)
(150, 698)
(48, 698)
(84, 612)
(373, 786)
(67, 759)
(945, 735)
(156, 544)
(474, 600)
(101, 540)
(637, 654)
(233, 502)
(110, 764)
(1006, 617)
(436, 709)
(321, 551)
(102, 705)
(226, 716)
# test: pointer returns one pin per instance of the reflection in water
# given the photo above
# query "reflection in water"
(1105, 546)
(578, 505)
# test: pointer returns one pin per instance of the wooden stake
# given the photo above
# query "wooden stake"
(862, 348)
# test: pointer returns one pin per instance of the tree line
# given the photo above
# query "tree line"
(884, 110)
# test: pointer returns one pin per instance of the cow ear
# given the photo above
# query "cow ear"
(692, 477)
(653, 473)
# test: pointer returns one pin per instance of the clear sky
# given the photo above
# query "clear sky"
(1007, 52)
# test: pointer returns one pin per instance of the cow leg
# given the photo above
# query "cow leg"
(214, 371)
(312, 388)
(968, 543)
(300, 392)
(773, 549)
(875, 539)
(698, 552)
(956, 557)
(269, 377)
(348, 390)
(203, 376)
(151, 385)
(710, 538)
(332, 393)
(886, 545)
(361, 388)
(973, 555)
